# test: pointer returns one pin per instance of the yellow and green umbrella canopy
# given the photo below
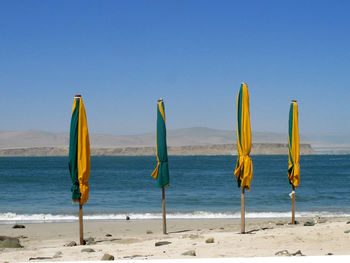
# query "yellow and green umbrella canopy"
(244, 166)
(161, 173)
(79, 152)
(293, 141)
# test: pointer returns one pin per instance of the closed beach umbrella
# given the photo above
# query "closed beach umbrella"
(244, 166)
(79, 158)
(161, 173)
(294, 152)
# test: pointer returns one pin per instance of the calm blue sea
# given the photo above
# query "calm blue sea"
(38, 188)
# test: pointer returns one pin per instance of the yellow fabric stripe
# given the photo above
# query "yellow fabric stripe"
(295, 148)
(83, 154)
(244, 171)
(161, 109)
(155, 172)
(74, 104)
(245, 129)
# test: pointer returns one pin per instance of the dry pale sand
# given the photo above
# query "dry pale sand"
(129, 239)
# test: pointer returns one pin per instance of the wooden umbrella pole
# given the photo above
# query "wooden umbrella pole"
(293, 205)
(242, 212)
(81, 232)
(164, 213)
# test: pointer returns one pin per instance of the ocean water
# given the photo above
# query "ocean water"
(37, 189)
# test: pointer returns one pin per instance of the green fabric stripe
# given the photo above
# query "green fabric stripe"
(291, 123)
(163, 172)
(239, 114)
(73, 152)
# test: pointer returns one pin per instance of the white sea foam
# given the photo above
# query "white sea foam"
(41, 218)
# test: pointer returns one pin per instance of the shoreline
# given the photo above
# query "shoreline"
(137, 238)
(13, 218)
(102, 221)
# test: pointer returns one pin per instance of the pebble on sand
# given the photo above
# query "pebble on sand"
(71, 244)
(162, 243)
(287, 254)
(90, 241)
(282, 253)
(135, 256)
(210, 240)
(58, 254)
(88, 250)
(40, 258)
(319, 220)
(309, 223)
(149, 232)
(18, 226)
(107, 257)
(189, 253)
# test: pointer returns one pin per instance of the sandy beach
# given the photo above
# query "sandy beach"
(136, 239)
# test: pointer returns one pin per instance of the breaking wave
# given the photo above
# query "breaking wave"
(43, 218)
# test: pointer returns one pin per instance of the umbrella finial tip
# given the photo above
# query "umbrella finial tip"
(77, 96)
(294, 100)
(160, 99)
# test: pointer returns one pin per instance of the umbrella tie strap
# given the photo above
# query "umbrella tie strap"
(291, 194)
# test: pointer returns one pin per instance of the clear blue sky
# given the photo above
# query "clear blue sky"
(123, 55)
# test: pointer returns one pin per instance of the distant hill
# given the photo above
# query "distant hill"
(215, 149)
(179, 137)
